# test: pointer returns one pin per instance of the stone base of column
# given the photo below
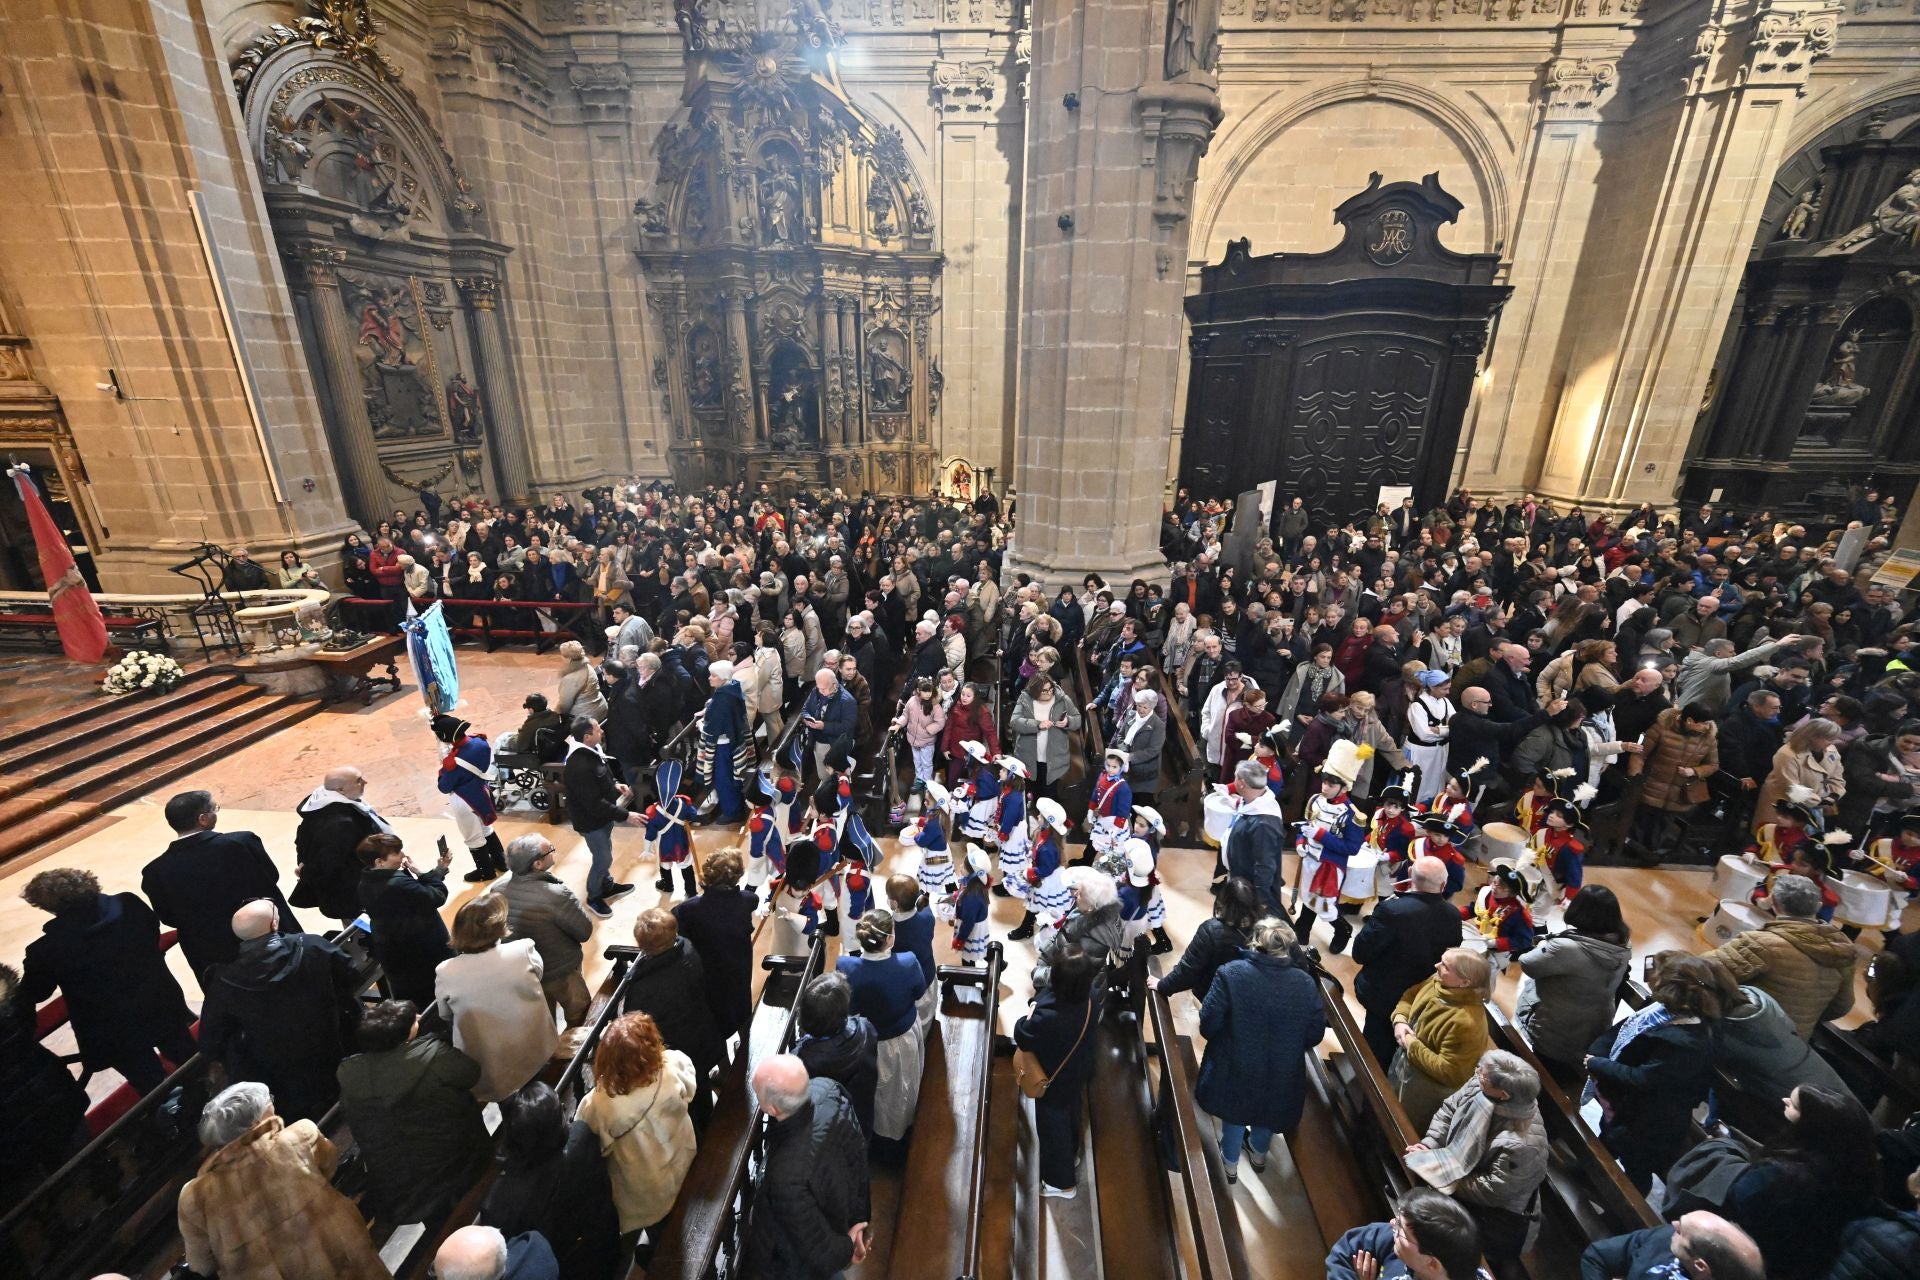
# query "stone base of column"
(1117, 570)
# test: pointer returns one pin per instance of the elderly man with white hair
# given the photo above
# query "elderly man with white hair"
(831, 718)
(483, 1253)
(263, 1203)
(726, 745)
(811, 1210)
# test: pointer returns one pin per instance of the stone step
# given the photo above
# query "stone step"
(21, 744)
(27, 822)
(44, 767)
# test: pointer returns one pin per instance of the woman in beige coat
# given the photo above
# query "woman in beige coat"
(638, 1110)
(491, 994)
(1810, 758)
(579, 686)
(1441, 1028)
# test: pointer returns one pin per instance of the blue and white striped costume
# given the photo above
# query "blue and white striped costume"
(1049, 895)
(936, 860)
(982, 799)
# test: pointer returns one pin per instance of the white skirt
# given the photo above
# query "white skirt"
(1053, 896)
(1015, 857)
(936, 881)
(1432, 764)
(901, 1061)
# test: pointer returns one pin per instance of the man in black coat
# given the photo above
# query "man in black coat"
(811, 1211)
(718, 923)
(1698, 1246)
(102, 952)
(839, 1045)
(1507, 680)
(1398, 947)
(333, 822)
(669, 984)
(205, 876)
(283, 1012)
(595, 803)
(1748, 737)
(1258, 840)
(1475, 735)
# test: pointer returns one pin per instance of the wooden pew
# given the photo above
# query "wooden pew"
(705, 1235)
(1351, 1107)
(1219, 1251)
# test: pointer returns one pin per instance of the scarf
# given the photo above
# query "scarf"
(322, 797)
(1654, 1015)
(1445, 1167)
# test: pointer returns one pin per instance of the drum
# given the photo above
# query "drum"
(1502, 840)
(1472, 939)
(1865, 902)
(1729, 920)
(1362, 869)
(1216, 816)
(1737, 877)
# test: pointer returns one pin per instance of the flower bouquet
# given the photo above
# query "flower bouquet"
(140, 671)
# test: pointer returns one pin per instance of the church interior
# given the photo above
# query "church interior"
(1031, 532)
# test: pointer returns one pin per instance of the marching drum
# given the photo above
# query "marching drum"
(1502, 840)
(1865, 903)
(1729, 920)
(1362, 869)
(1217, 812)
(1737, 877)
(1471, 939)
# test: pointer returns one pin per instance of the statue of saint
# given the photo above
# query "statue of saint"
(780, 205)
(1193, 37)
(1897, 218)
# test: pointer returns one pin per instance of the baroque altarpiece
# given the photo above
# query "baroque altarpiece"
(788, 250)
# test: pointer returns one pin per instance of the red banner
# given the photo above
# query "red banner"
(83, 633)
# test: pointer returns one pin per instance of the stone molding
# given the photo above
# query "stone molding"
(964, 88)
(605, 90)
(1578, 87)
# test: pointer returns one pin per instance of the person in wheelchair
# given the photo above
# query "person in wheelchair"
(542, 735)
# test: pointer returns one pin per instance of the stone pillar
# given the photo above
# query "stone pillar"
(852, 370)
(832, 388)
(1106, 204)
(355, 454)
(504, 428)
(1689, 187)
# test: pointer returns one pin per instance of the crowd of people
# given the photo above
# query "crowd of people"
(1445, 716)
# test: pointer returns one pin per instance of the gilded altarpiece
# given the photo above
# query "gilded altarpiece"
(789, 252)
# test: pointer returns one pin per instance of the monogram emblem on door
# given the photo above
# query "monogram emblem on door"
(1390, 236)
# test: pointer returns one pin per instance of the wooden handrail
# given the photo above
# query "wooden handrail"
(977, 1163)
(690, 1247)
(1218, 1246)
(1378, 1095)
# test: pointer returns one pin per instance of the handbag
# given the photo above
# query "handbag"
(1027, 1074)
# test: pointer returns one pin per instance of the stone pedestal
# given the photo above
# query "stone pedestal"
(1107, 206)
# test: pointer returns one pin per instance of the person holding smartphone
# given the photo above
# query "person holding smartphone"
(403, 907)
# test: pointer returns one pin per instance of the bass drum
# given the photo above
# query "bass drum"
(1865, 903)
(1217, 812)
(1731, 919)
(1736, 877)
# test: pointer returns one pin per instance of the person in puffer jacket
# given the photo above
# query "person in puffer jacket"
(1882, 1247)
(1805, 965)
(1568, 995)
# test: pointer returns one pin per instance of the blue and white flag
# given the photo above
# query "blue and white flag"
(430, 647)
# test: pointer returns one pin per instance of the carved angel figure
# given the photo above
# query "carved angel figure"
(1800, 217)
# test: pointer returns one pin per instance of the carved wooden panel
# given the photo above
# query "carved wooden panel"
(1360, 410)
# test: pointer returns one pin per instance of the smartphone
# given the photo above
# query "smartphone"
(446, 854)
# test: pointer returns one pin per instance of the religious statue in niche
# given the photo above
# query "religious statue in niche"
(792, 403)
(402, 401)
(703, 369)
(375, 177)
(1837, 388)
(463, 408)
(1799, 219)
(1896, 218)
(889, 383)
(780, 208)
(1193, 37)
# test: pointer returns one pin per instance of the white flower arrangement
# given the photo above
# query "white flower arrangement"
(140, 671)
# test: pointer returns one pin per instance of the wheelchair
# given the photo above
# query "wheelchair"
(522, 778)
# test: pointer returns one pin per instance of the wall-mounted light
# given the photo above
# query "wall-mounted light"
(1066, 223)
(1071, 102)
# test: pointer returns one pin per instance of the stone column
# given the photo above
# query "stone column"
(852, 371)
(748, 427)
(1689, 191)
(1106, 204)
(832, 389)
(356, 456)
(504, 427)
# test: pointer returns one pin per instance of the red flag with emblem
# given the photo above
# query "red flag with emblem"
(83, 632)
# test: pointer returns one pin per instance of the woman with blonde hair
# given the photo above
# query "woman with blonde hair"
(1368, 731)
(579, 686)
(491, 994)
(1440, 1027)
(638, 1109)
(1810, 758)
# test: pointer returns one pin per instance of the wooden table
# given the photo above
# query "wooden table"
(357, 665)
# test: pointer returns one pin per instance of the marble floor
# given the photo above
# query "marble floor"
(258, 786)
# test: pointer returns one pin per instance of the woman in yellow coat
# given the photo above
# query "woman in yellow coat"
(1441, 1028)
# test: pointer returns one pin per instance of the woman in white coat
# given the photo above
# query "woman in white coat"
(1429, 719)
(490, 993)
(638, 1110)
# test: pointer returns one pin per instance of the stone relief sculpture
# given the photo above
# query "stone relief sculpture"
(1800, 218)
(1896, 218)
(888, 381)
(780, 209)
(1837, 388)
(463, 408)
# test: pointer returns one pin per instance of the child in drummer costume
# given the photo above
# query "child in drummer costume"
(669, 827)
(1139, 891)
(1441, 838)
(832, 803)
(792, 900)
(1562, 848)
(1530, 810)
(1896, 858)
(1393, 832)
(1010, 825)
(1332, 832)
(976, 800)
(1150, 827)
(465, 773)
(1109, 809)
(1499, 913)
(969, 907)
(1810, 859)
(1267, 752)
(1795, 820)
(1452, 803)
(766, 838)
(859, 853)
(929, 835)
(1428, 717)
(1049, 896)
